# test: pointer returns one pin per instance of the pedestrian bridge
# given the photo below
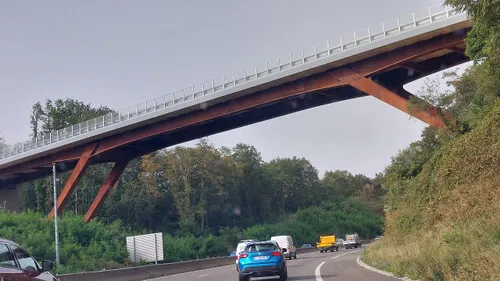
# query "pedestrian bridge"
(377, 61)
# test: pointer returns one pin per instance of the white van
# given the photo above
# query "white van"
(352, 241)
(285, 241)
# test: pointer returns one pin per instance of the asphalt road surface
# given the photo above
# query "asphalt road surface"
(336, 266)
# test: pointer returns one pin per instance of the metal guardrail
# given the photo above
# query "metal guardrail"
(354, 40)
(154, 271)
(148, 271)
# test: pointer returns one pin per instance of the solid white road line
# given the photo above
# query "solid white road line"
(317, 272)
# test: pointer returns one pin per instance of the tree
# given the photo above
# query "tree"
(191, 190)
(473, 95)
(483, 41)
(56, 115)
(196, 177)
(340, 184)
(37, 116)
(293, 181)
(59, 114)
(2, 143)
(254, 194)
(466, 101)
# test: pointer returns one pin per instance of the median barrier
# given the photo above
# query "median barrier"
(153, 271)
(366, 241)
(306, 250)
(148, 271)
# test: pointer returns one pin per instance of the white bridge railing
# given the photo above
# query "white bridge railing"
(330, 48)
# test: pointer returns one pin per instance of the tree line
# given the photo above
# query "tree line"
(204, 199)
(194, 189)
(97, 245)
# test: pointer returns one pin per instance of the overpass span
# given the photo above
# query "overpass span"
(377, 61)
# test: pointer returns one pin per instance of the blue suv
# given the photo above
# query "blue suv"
(262, 259)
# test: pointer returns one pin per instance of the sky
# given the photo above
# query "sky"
(121, 52)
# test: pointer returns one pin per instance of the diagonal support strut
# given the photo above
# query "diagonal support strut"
(371, 88)
(74, 178)
(106, 188)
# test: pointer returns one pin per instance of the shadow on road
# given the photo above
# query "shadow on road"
(309, 277)
(297, 278)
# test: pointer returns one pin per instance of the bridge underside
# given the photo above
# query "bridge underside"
(382, 76)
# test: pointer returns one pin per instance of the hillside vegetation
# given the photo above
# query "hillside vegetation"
(444, 224)
(443, 192)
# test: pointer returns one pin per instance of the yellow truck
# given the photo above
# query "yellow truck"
(327, 243)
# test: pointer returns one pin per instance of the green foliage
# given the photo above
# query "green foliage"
(293, 180)
(96, 245)
(59, 114)
(474, 94)
(471, 97)
(340, 218)
(56, 115)
(483, 41)
(200, 189)
(305, 226)
(2, 143)
(442, 201)
(84, 247)
(202, 198)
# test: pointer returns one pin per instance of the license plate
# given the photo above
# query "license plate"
(260, 258)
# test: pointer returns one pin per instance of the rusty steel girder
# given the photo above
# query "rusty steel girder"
(370, 87)
(74, 178)
(106, 188)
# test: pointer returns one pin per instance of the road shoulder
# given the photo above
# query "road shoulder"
(371, 268)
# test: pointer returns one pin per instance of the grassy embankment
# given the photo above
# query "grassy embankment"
(446, 224)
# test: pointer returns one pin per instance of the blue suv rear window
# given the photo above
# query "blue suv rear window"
(253, 248)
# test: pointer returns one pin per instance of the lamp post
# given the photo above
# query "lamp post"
(56, 231)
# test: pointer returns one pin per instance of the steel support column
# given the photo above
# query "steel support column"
(74, 178)
(371, 88)
(106, 188)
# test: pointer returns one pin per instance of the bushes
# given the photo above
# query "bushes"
(96, 245)
(83, 246)
(307, 225)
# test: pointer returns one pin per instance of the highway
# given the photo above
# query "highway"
(337, 266)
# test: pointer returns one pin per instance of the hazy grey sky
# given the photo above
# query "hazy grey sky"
(122, 52)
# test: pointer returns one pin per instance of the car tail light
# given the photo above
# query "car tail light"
(242, 256)
(276, 254)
